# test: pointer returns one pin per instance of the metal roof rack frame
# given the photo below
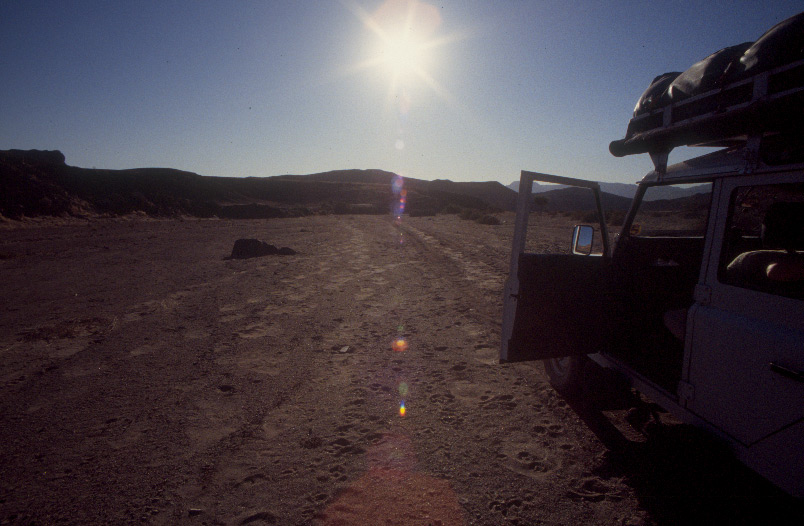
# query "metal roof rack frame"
(737, 114)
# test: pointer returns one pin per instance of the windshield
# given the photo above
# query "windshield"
(673, 211)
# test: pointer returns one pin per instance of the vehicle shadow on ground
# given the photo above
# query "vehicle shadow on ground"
(682, 476)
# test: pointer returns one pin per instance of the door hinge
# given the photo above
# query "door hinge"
(703, 294)
(686, 391)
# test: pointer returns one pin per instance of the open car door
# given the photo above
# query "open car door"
(555, 305)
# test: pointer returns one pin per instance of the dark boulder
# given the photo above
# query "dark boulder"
(254, 248)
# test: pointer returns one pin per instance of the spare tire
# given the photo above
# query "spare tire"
(566, 374)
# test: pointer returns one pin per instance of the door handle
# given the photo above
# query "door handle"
(787, 372)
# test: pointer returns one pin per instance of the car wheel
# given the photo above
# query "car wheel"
(566, 374)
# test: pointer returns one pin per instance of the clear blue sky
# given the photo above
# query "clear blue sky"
(252, 88)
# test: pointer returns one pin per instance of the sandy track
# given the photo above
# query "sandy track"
(146, 379)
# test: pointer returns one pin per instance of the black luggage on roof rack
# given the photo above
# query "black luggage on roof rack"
(743, 90)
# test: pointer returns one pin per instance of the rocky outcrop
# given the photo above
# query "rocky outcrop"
(35, 156)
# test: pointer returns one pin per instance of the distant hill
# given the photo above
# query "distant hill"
(569, 199)
(560, 198)
(40, 183)
(625, 190)
(421, 193)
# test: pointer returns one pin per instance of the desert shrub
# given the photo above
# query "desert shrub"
(694, 214)
(421, 212)
(370, 209)
(341, 208)
(299, 211)
(539, 202)
(250, 211)
(575, 216)
(583, 216)
(590, 217)
(489, 220)
(451, 209)
(615, 217)
(470, 214)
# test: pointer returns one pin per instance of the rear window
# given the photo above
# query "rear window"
(764, 243)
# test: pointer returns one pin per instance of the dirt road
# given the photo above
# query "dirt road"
(144, 378)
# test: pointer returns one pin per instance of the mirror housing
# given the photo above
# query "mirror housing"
(583, 239)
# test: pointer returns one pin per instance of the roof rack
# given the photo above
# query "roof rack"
(738, 114)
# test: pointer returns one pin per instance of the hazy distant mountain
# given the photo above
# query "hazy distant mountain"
(40, 183)
(625, 190)
(566, 199)
(470, 195)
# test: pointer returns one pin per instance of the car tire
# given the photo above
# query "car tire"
(566, 374)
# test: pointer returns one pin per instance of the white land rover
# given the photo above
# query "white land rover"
(701, 310)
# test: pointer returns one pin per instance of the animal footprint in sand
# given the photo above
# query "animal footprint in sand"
(546, 428)
(594, 489)
(504, 401)
(531, 464)
(252, 479)
(255, 330)
(342, 446)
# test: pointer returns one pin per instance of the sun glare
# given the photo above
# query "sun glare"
(402, 54)
(405, 32)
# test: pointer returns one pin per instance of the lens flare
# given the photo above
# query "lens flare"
(400, 197)
(399, 345)
(397, 184)
(403, 389)
(402, 409)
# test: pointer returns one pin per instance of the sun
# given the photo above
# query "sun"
(404, 42)
(403, 55)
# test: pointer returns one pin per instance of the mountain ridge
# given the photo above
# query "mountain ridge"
(40, 183)
(623, 190)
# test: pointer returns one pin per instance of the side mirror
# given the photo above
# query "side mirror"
(582, 239)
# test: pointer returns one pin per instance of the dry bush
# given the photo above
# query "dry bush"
(489, 220)
(471, 214)
(422, 212)
(615, 217)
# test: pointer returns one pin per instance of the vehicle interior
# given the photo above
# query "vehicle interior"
(654, 272)
(766, 226)
(653, 277)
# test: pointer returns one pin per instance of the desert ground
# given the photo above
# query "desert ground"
(145, 378)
